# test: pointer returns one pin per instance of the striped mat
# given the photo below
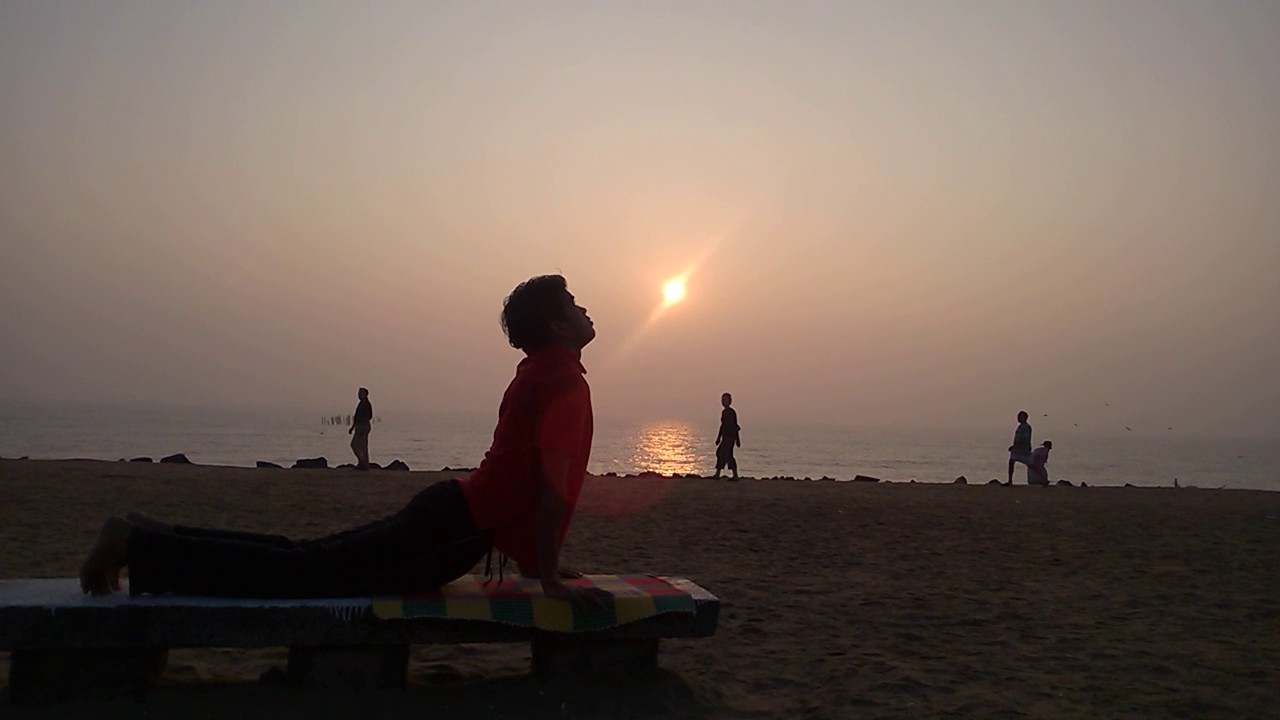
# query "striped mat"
(519, 601)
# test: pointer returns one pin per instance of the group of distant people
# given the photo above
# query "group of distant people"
(1020, 452)
(1036, 460)
(728, 437)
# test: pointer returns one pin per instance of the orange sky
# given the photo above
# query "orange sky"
(916, 213)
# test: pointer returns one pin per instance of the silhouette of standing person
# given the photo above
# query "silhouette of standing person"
(361, 424)
(1020, 450)
(728, 436)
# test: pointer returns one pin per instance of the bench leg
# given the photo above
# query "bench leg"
(37, 676)
(351, 668)
(560, 656)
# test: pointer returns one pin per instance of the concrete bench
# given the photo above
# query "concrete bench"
(65, 645)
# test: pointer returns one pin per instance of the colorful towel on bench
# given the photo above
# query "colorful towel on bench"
(519, 601)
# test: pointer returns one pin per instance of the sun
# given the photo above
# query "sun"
(673, 291)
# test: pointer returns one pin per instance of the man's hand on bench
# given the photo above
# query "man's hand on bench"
(100, 573)
(589, 597)
(582, 597)
(565, 573)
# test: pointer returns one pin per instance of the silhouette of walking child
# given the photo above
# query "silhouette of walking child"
(730, 435)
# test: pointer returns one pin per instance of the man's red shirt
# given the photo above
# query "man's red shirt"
(547, 406)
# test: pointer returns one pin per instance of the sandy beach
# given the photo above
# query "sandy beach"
(840, 599)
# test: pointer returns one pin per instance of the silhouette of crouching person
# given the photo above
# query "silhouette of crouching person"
(1037, 473)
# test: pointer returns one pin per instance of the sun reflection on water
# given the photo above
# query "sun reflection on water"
(666, 447)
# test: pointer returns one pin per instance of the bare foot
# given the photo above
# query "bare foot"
(100, 573)
(137, 519)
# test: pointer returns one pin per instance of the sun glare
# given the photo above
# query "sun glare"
(673, 291)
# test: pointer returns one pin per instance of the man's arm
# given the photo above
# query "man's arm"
(559, 438)
(552, 486)
(550, 513)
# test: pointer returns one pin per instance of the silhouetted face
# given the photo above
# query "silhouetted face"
(575, 328)
(363, 394)
(1022, 417)
(726, 399)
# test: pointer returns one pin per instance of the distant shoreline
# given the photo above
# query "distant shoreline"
(857, 480)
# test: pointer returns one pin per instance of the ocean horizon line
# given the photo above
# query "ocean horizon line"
(857, 479)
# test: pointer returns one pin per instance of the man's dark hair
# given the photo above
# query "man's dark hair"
(527, 313)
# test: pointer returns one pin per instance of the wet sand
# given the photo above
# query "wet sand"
(840, 599)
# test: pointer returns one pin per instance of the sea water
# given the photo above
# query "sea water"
(427, 441)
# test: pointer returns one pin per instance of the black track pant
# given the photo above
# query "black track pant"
(428, 543)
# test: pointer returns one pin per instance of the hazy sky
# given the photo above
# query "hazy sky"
(926, 213)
